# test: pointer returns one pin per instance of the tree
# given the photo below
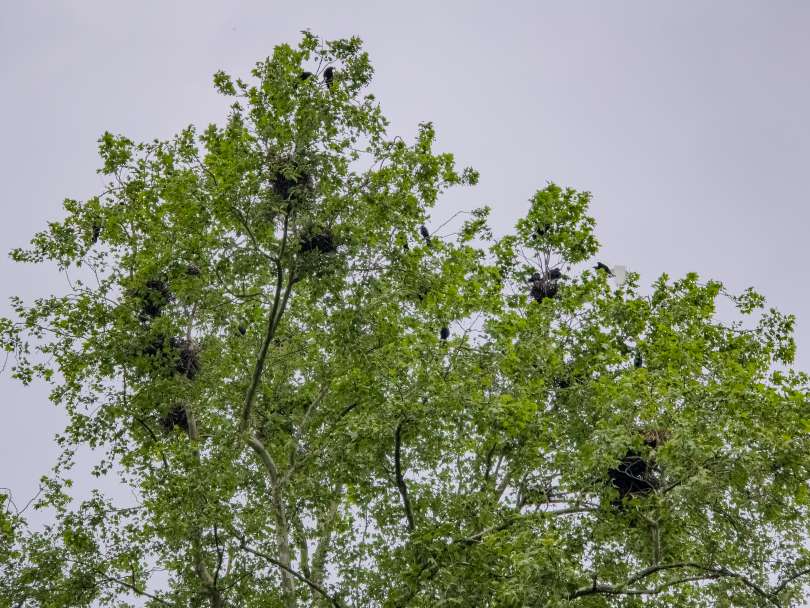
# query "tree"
(252, 335)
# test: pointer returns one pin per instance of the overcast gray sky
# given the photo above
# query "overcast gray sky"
(688, 121)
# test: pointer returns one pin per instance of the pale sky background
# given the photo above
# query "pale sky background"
(689, 121)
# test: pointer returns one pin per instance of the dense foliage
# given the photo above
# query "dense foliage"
(253, 335)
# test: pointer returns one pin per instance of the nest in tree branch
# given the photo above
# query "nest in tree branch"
(152, 298)
(636, 475)
(175, 417)
(287, 187)
(323, 242)
(633, 476)
(542, 289)
(172, 355)
(188, 361)
(545, 285)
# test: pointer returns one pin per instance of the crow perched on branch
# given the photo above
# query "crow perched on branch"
(329, 76)
(444, 333)
(425, 234)
(601, 266)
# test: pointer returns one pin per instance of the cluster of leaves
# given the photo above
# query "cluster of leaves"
(329, 449)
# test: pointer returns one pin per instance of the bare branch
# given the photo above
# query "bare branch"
(325, 527)
(279, 304)
(134, 589)
(710, 573)
(264, 456)
(781, 586)
(312, 585)
(403, 489)
(111, 579)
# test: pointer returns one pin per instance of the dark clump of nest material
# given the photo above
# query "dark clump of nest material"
(633, 476)
(323, 242)
(421, 291)
(542, 287)
(541, 231)
(155, 346)
(152, 297)
(282, 185)
(287, 187)
(637, 475)
(655, 438)
(188, 359)
(168, 355)
(175, 417)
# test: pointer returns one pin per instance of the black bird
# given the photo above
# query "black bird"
(329, 76)
(555, 274)
(425, 234)
(638, 361)
(242, 329)
(444, 334)
(96, 233)
(305, 75)
(601, 266)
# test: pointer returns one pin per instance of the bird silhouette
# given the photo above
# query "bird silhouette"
(444, 334)
(305, 75)
(425, 234)
(602, 266)
(329, 76)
